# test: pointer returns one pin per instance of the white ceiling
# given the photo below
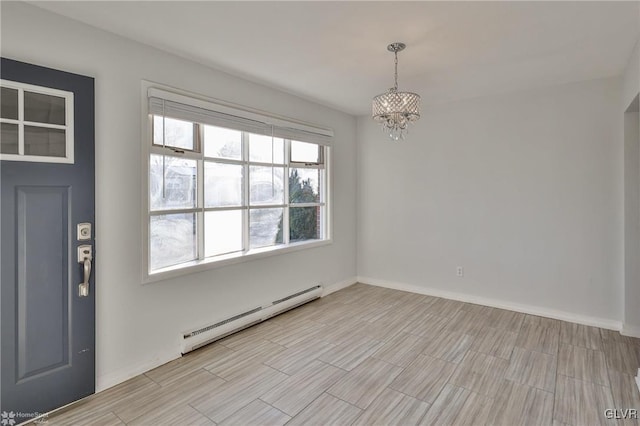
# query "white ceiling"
(335, 52)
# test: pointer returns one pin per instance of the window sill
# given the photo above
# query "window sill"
(229, 259)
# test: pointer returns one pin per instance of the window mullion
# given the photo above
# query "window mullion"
(245, 193)
(21, 121)
(285, 219)
(323, 196)
(200, 197)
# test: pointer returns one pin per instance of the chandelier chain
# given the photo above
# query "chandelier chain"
(395, 86)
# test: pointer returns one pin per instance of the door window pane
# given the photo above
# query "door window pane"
(44, 141)
(9, 139)
(222, 184)
(266, 185)
(43, 108)
(222, 232)
(222, 143)
(265, 227)
(179, 183)
(172, 239)
(265, 149)
(304, 185)
(177, 133)
(304, 223)
(303, 152)
(9, 99)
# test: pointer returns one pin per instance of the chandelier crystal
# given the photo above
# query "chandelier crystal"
(395, 110)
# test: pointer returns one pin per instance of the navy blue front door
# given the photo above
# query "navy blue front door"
(47, 177)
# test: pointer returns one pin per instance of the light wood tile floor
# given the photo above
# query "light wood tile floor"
(373, 356)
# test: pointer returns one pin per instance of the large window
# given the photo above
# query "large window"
(221, 188)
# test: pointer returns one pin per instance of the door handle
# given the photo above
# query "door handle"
(85, 257)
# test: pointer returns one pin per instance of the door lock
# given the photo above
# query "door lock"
(84, 231)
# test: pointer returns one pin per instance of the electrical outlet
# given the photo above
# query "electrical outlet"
(460, 271)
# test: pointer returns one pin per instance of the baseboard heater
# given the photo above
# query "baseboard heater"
(194, 339)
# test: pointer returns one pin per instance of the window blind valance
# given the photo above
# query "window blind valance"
(174, 105)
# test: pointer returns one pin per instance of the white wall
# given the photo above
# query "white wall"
(138, 326)
(524, 190)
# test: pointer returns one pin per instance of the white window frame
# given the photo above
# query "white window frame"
(202, 264)
(67, 127)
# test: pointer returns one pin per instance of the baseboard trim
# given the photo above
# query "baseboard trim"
(496, 303)
(111, 379)
(339, 286)
(631, 331)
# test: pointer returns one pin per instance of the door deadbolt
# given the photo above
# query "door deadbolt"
(84, 231)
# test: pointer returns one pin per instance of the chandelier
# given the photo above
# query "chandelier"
(396, 110)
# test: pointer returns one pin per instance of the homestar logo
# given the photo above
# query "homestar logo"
(8, 419)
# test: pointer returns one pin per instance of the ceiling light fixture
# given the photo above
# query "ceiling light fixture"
(396, 110)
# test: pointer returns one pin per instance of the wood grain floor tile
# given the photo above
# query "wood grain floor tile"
(163, 400)
(472, 308)
(580, 335)
(615, 336)
(289, 318)
(183, 366)
(233, 364)
(108, 419)
(326, 411)
(495, 342)
(625, 395)
(383, 329)
(534, 369)
(175, 415)
(248, 337)
(622, 357)
(583, 364)
(379, 356)
(518, 404)
(401, 350)
(232, 396)
(480, 373)
(426, 325)
(541, 321)
(364, 383)
(445, 307)
(393, 408)
(505, 320)
(294, 359)
(256, 413)
(289, 336)
(581, 403)
(344, 332)
(350, 354)
(335, 314)
(539, 339)
(87, 410)
(424, 378)
(98, 419)
(468, 323)
(460, 407)
(401, 314)
(449, 346)
(295, 393)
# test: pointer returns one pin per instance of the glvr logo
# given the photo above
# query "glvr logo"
(618, 413)
(8, 419)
